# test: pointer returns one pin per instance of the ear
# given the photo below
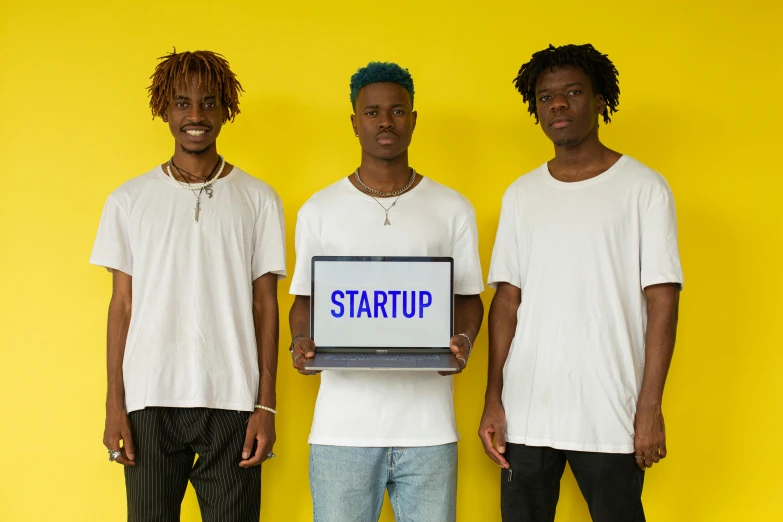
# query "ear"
(600, 103)
(353, 125)
(165, 115)
(415, 116)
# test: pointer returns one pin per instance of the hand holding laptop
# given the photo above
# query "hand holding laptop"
(302, 349)
(460, 346)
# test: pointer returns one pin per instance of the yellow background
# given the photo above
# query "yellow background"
(701, 92)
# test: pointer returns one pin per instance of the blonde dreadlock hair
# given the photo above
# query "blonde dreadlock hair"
(212, 71)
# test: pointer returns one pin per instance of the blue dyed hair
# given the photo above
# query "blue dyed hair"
(376, 72)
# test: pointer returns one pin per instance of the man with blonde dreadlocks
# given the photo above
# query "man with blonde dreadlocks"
(582, 325)
(195, 247)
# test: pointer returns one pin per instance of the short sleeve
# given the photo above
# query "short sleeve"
(660, 258)
(112, 248)
(269, 241)
(307, 245)
(506, 266)
(468, 279)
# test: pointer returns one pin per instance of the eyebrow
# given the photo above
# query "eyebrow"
(378, 106)
(185, 97)
(572, 84)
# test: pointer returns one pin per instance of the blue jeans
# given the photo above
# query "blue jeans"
(348, 483)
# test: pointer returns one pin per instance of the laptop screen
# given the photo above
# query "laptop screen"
(382, 302)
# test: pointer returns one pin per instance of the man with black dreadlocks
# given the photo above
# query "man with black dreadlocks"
(582, 325)
(196, 247)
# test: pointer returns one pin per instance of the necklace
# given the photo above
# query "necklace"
(203, 185)
(199, 187)
(384, 194)
(386, 210)
(397, 193)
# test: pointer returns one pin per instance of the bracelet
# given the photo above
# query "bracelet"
(266, 408)
(291, 348)
(470, 344)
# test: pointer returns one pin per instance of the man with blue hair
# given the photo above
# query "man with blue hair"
(374, 431)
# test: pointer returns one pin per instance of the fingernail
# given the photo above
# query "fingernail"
(502, 449)
(245, 454)
(131, 456)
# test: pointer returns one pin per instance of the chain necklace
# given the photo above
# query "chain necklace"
(386, 210)
(200, 187)
(397, 193)
(384, 194)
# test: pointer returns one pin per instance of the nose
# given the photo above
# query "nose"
(385, 122)
(559, 102)
(196, 114)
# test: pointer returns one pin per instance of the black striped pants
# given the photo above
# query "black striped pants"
(167, 440)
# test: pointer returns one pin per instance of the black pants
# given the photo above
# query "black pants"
(611, 483)
(167, 441)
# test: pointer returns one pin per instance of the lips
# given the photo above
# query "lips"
(195, 132)
(560, 123)
(386, 138)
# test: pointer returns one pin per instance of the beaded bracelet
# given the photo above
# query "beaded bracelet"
(266, 408)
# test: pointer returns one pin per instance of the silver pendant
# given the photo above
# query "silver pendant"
(387, 222)
(198, 209)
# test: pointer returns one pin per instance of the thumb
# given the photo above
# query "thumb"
(500, 439)
(247, 447)
(127, 445)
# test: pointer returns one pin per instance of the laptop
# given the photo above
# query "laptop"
(382, 313)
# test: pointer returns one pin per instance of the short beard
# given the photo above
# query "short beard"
(195, 152)
(566, 142)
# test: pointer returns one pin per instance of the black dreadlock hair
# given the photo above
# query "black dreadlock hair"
(597, 66)
(210, 68)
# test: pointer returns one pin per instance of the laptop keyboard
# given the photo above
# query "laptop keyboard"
(375, 357)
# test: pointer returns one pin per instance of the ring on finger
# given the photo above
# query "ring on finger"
(297, 357)
(114, 455)
(464, 362)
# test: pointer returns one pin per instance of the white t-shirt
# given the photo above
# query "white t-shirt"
(191, 341)
(381, 408)
(582, 254)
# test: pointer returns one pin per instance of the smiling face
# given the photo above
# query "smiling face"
(384, 119)
(195, 117)
(566, 105)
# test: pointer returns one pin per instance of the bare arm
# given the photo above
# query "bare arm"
(299, 317)
(662, 314)
(468, 315)
(266, 319)
(117, 421)
(303, 347)
(502, 327)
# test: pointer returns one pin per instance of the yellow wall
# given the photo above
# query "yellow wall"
(701, 103)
